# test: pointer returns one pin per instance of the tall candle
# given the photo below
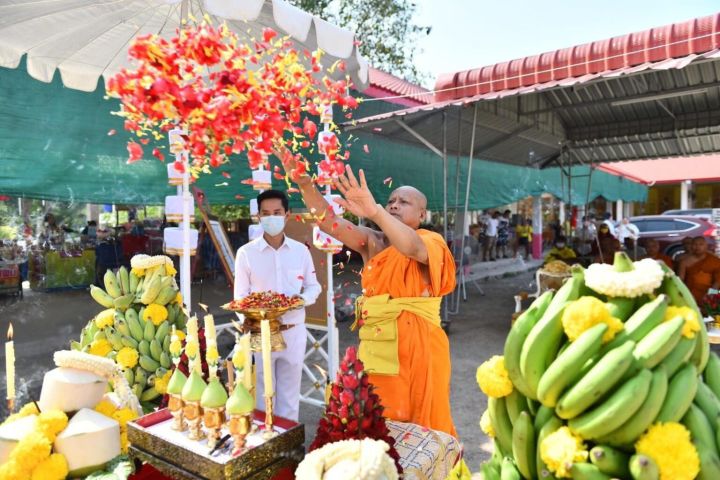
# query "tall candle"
(247, 369)
(210, 334)
(10, 364)
(267, 364)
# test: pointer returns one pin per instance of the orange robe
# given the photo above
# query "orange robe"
(701, 275)
(661, 257)
(420, 393)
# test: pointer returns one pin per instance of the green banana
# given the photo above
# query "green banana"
(701, 354)
(515, 403)
(124, 278)
(544, 414)
(700, 429)
(140, 377)
(645, 318)
(620, 307)
(166, 343)
(151, 291)
(120, 324)
(532, 406)
(148, 364)
(99, 335)
(515, 339)
(709, 461)
(601, 378)
(489, 471)
(137, 390)
(155, 350)
(166, 295)
(123, 301)
(149, 395)
(679, 355)
(114, 338)
(540, 347)
(567, 366)
(74, 345)
(162, 331)
(144, 347)
(523, 445)
(139, 289)
(165, 360)
(181, 321)
(708, 402)
(610, 461)
(587, 471)
(712, 374)
(550, 426)
(136, 331)
(615, 410)
(149, 332)
(88, 333)
(133, 281)
(681, 391)
(101, 297)
(129, 342)
(141, 318)
(644, 416)
(509, 471)
(657, 344)
(643, 467)
(111, 284)
(129, 376)
(497, 411)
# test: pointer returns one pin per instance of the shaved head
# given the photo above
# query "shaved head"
(408, 204)
(408, 190)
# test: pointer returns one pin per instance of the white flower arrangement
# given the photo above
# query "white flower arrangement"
(645, 277)
(348, 460)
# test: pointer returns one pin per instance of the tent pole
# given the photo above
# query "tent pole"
(467, 200)
(445, 200)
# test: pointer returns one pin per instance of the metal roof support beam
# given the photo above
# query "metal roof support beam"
(494, 143)
(422, 139)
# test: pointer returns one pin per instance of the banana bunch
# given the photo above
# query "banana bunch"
(587, 396)
(142, 305)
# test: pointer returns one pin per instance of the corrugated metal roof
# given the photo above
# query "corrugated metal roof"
(662, 107)
(704, 168)
(383, 84)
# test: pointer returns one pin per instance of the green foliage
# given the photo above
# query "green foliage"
(386, 29)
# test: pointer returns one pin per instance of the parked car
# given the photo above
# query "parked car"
(669, 230)
(705, 213)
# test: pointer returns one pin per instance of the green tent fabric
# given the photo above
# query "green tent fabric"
(54, 145)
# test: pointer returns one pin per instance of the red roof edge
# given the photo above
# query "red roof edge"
(612, 171)
(396, 90)
(676, 40)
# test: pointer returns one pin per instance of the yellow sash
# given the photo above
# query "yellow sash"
(378, 331)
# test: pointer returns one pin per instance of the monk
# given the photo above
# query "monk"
(652, 247)
(407, 272)
(701, 270)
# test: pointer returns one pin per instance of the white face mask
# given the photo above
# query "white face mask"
(273, 225)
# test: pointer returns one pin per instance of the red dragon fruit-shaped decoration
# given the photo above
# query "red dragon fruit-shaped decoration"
(354, 410)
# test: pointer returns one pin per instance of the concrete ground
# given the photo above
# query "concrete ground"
(46, 322)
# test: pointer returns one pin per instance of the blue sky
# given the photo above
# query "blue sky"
(473, 33)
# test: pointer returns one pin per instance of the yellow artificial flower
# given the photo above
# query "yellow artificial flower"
(51, 422)
(175, 348)
(127, 357)
(106, 407)
(155, 313)
(123, 416)
(27, 410)
(212, 355)
(560, 450)
(139, 272)
(669, 445)
(31, 450)
(486, 425)
(106, 318)
(493, 379)
(100, 347)
(692, 322)
(178, 298)
(12, 469)
(191, 349)
(238, 359)
(180, 334)
(161, 383)
(586, 312)
(55, 467)
(170, 269)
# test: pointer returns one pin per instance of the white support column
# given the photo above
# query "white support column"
(619, 212)
(537, 228)
(628, 209)
(561, 213)
(685, 195)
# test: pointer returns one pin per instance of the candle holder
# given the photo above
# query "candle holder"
(175, 405)
(213, 418)
(11, 405)
(240, 426)
(193, 414)
(269, 432)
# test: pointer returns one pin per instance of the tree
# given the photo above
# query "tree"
(389, 37)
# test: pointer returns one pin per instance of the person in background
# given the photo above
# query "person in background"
(609, 245)
(652, 247)
(491, 235)
(503, 235)
(523, 232)
(686, 253)
(52, 235)
(701, 270)
(279, 264)
(474, 239)
(561, 251)
(89, 233)
(628, 234)
(607, 220)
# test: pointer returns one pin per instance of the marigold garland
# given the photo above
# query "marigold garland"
(669, 445)
(493, 378)
(33, 450)
(586, 312)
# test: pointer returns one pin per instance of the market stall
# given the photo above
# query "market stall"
(58, 269)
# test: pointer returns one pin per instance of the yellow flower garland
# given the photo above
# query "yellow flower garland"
(493, 379)
(669, 445)
(155, 313)
(586, 312)
(127, 357)
(560, 450)
(120, 415)
(692, 322)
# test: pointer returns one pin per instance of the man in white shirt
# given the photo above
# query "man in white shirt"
(491, 235)
(627, 233)
(280, 264)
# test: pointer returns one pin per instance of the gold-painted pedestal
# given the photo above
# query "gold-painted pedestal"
(213, 418)
(269, 432)
(175, 405)
(254, 316)
(193, 414)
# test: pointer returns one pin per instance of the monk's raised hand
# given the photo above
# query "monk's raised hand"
(293, 165)
(358, 199)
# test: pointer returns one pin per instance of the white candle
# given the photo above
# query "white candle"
(267, 364)
(247, 369)
(210, 334)
(10, 364)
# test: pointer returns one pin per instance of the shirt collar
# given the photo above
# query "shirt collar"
(264, 244)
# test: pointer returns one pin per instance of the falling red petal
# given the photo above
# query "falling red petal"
(135, 151)
(366, 149)
(111, 132)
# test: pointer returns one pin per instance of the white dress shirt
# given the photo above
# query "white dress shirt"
(491, 230)
(627, 230)
(289, 270)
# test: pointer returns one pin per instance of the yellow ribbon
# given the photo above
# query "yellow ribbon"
(377, 317)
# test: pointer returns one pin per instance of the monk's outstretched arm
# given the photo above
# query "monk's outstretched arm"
(353, 236)
(360, 202)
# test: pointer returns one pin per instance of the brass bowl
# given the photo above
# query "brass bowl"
(254, 316)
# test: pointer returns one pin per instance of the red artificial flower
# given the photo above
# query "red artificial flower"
(135, 152)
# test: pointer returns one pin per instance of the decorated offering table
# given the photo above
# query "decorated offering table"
(53, 269)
